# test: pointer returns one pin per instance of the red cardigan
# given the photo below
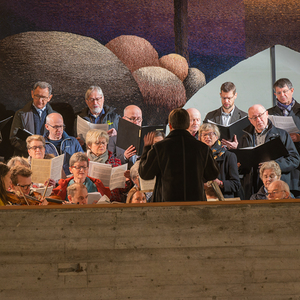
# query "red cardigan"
(61, 189)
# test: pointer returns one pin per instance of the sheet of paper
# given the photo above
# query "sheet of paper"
(147, 185)
(286, 123)
(84, 126)
(94, 197)
(110, 177)
(43, 169)
(42, 189)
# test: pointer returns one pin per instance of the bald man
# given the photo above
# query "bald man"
(195, 121)
(133, 114)
(279, 190)
(259, 132)
(58, 141)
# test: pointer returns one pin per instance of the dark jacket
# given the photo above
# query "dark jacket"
(69, 146)
(181, 164)
(110, 117)
(216, 115)
(229, 174)
(295, 113)
(24, 119)
(287, 164)
(260, 195)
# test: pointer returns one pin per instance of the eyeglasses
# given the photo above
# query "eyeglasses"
(210, 134)
(227, 98)
(38, 97)
(100, 143)
(34, 148)
(25, 186)
(94, 99)
(134, 119)
(282, 92)
(274, 192)
(80, 168)
(57, 127)
(256, 117)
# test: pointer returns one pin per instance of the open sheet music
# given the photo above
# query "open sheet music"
(43, 169)
(84, 126)
(286, 123)
(112, 177)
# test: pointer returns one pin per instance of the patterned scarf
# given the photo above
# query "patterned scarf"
(100, 159)
(285, 108)
(218, 149)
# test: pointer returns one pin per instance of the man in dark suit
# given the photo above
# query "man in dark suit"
(286, 105)
(180, 163)
(228, 113)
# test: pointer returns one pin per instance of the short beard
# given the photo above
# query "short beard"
(96, 111)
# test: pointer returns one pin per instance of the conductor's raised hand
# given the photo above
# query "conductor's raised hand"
(149, 138)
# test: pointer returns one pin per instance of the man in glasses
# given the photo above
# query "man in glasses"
(21, 180)
(259, 132)
(279, 189)
(98, 113)
(228, 113)
(32, 116)
(286, 105)
(133, 114)
(58, 141)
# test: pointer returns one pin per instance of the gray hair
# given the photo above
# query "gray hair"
(282, 82)
(78, 156)
(273, 165)
(43, 85)
(94, 135)
(18, 160)
(209, 126)
(91, 89)
(35, 137)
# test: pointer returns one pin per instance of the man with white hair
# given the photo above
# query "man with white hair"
(195, 121)
(259, 132)
(58, 141)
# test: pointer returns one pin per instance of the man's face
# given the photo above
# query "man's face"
(95, 102)
(258, 117)
(228, 100)
(36, 150)
(40, 97)
(55, 126)
(134, 115)
(276, 191)
(195, 121)
(80, 197)
(284, 95)
(24, 183)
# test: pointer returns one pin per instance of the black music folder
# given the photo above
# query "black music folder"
(252, 156)
(132, 134)
(23, 134)
(236, 128)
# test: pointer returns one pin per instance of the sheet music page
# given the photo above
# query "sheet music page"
(41, 169)
(117, 177)
(147, 185)
(56, 167)
(42, 189)
(287, 123)
(93, 197)
(100, 171)
(83, 126)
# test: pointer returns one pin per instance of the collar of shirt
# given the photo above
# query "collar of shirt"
(39, 110)
(96, 117)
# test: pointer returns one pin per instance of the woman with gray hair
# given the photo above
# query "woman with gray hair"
(228, 179)
(268, 173)
(96, 142)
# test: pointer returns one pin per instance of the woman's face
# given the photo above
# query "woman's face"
(36, 150)
(80, 171)
(99, 147)
(138, 197)
(7, 180)
(268, 177)
(208, 137)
